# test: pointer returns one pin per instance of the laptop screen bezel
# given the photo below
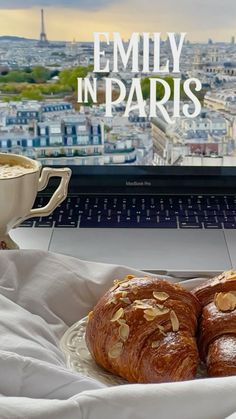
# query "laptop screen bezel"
(151, 179)
(123, 170)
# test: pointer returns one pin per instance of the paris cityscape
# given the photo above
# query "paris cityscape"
(40, 116)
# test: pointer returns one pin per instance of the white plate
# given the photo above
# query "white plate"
(78, 356)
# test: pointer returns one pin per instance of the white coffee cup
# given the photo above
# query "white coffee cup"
(18, 193)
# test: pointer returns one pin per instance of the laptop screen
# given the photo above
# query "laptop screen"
(146, 54)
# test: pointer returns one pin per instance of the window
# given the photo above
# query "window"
(56, 139)
(83, 139)
(81, 128)
(55, 130)
(69, 130)
(95, 139)
(43, 142)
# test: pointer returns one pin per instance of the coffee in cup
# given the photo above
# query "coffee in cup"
(10, 171)
(20, 180)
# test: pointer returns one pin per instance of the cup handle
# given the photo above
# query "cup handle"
(59, 195)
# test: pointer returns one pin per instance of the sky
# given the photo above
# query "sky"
(78, 19)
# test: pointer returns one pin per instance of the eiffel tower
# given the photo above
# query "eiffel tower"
(43, 42)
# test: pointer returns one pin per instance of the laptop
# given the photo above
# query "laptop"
(155, 200)
(154, 218)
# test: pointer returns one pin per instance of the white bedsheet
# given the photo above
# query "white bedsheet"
(41, 295)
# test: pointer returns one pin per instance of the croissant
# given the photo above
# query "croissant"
(143, 329)
(217, 327)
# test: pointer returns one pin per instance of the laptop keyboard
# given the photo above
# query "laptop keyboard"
(185, 212)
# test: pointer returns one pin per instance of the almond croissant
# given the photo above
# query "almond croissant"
(143, 329)
(217, 328)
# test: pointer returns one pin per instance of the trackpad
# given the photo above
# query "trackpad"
(147, 249)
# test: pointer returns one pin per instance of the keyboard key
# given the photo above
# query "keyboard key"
(44, 223)
(66, 222)
(229, 225)
(190, 225)
(157, 222)
(27, 223)
(71, 224)
(188, 220)
(212, 225)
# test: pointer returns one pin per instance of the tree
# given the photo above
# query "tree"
(68, 77)
(23, 76)
(15, 76)
(40, 74)
(160, 90)
(32, 94)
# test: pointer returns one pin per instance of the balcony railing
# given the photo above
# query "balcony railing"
(119, 151)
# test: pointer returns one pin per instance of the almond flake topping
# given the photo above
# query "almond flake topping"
(111, 300)
(124, 280)
(118, 314)
(121, 321)
(134, 290)
(116, 281)
(160, 306)
(174, 321)
(163, 309)
(90, 315)
(152, 312)
(138, 302)
(141, 304)
(125, 300)
(148, 318)
(225, 301)
(116, 350)
(155, 344)
(161, 329)
(124, 284)
(124, 332)
(227, 275)
(155, 311)
(162, 296)
(231, 276)
(130, 276)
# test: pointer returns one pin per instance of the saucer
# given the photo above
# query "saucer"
(78, 357)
